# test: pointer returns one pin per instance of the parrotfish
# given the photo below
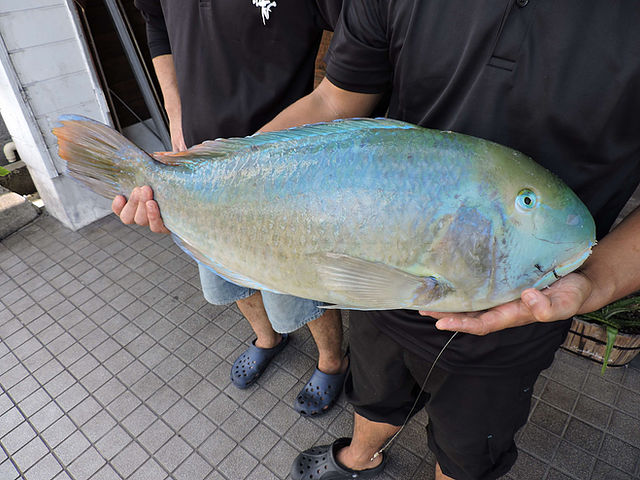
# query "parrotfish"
(358, 213)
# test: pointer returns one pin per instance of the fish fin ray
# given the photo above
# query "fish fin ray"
(324, 128)
(97, 155)
(370, 282)
(216, 267)
(204, 152)
(223, 147)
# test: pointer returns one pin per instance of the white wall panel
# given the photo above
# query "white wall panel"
(59, 93)
(35, 64)
(38, 26)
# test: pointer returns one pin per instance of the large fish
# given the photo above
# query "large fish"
(359, 213)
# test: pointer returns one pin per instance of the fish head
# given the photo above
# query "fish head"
(548, 231)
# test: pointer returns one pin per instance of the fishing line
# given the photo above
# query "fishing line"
(415, 403)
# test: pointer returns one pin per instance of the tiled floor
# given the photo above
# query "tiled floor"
(113, 366)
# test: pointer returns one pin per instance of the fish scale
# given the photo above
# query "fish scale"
(358, 213)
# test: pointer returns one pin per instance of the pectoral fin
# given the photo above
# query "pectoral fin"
(382, 286)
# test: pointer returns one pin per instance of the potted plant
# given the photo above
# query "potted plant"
(610, 335)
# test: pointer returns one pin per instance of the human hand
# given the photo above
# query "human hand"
(140, 209)
(560, 301)
(177, 138)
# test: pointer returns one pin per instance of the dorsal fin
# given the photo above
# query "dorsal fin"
(191, 157)
(222, 147)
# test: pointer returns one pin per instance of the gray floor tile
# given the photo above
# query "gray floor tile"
(217, 447)
(86, 464)
(98, 426)
(59, 431)
(45, 469)
(8, 470)
(139, 420)
(173, 453)
(129, 459)
(155, 436)
(193, 468)
(120, 369)
(30, 454)
(570, 458)
(197, 430)
(584, 436)
(238, 464)
(262, 473)
(604, 470)
(620, 454)
(113, 442)
(18, 438)
(239, 424)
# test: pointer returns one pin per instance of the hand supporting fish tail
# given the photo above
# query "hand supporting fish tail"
(140, 209)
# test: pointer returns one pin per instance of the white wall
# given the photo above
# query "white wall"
(45, 71)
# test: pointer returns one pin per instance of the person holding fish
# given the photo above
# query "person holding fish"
(559, 81)
(226, 68)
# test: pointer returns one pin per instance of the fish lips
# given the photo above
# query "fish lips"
(563, 269)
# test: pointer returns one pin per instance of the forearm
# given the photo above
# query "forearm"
(614, 266)
(166, 73)
(327, 102)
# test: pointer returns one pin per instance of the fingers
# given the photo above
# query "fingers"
(144, 195)
(140, 209)
(436, 315)
(155, 220)
(128, 211)
(509, 315)
(118, 204)
(539, 305)
(483, 324)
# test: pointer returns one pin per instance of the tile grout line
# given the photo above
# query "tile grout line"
(38, 435)
(9, 458)
(127, 388)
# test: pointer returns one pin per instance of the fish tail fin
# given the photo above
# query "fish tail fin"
(98, 156)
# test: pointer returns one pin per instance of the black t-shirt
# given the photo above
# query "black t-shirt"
(238, 62)
(557, 80)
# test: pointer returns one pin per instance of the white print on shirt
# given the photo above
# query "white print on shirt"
(265, 7)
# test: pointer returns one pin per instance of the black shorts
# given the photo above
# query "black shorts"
(472, 419)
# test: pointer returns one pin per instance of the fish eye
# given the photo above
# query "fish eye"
(526, 200)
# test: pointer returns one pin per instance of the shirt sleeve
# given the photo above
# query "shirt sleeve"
(328, 13)
(358, 57)
(157, 36)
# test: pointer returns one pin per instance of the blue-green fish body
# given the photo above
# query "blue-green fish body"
(360, 213)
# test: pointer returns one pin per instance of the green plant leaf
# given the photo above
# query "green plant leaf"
(612, 333)
(620, 314)
(4, 172)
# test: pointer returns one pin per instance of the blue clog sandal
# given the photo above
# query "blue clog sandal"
(320, 393)
(253, 361)
(319, 463)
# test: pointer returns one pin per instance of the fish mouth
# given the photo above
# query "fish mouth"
(564, 268)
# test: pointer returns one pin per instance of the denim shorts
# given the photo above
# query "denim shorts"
(286, 313)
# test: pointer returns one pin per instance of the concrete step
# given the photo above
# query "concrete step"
(15, 212)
